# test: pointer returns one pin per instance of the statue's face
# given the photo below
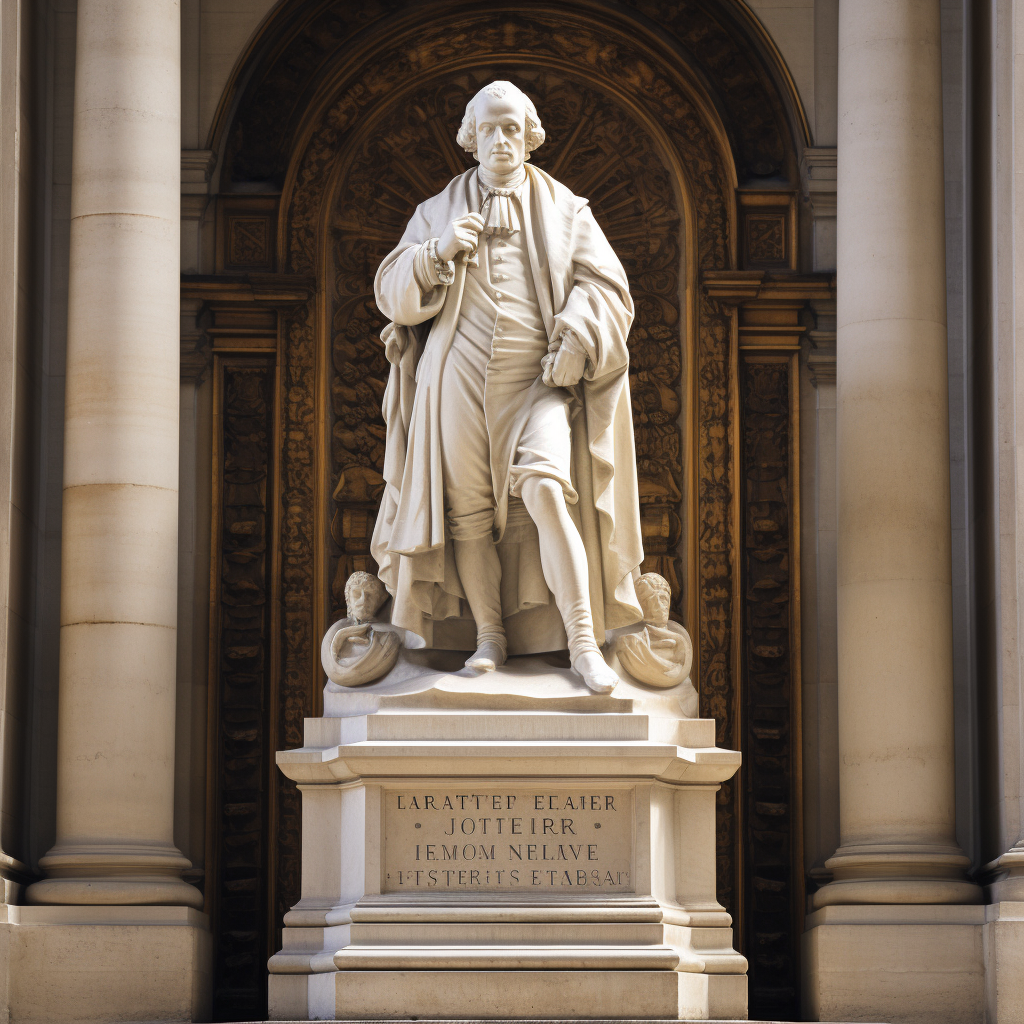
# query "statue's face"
(501, 132)
(655, 606)
(359, 602)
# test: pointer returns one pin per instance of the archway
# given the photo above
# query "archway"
(340, 125)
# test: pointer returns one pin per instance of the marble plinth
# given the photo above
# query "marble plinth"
(507, 845)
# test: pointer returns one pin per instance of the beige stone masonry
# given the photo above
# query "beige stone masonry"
(118, 579)
(894, 598)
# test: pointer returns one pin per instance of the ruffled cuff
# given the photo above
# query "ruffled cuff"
(430, 270)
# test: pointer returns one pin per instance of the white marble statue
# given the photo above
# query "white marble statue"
(510, 464)
(660, 654)
(353, 652)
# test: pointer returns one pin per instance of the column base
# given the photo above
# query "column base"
(75, 965)
(903, 874)
(130, 891)
(122, 875)
(902, 964)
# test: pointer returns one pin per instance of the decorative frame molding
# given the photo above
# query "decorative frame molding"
(769, 314)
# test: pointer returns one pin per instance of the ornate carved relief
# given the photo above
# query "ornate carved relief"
(300, 678)
(245, 233)
(716, 568)
(766, 240)
(704, 34)
(773, 827)
(238, 888)
(249, 245)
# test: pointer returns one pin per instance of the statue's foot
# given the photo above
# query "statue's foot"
(489, 656)
(595, 672)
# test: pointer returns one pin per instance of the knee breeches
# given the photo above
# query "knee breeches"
(472, 442)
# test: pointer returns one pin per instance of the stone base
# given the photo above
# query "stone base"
(507, 846)
(498, 995)
(1004, 962)
(909, 964)
(71, 965)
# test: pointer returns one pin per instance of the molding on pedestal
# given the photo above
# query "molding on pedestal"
(384, 924)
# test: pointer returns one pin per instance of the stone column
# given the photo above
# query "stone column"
(897, 825)
(118, 576)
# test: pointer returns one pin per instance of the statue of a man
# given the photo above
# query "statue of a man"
(510, 468)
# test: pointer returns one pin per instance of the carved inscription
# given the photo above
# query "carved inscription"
(508, 840)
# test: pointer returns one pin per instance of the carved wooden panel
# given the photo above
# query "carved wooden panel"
(307, 36)
(240, 691)
(773, 877)
(246, 229)
(768, 230)
(766, 239)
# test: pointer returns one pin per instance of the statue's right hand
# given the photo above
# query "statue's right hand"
(462, 235)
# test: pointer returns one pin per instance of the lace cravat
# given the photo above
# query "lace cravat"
(496, 206)
(499, 212)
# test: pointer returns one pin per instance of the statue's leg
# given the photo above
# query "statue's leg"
(480, 572)
(469, 504)
(563, 560)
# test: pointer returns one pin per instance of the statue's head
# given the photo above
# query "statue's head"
(364, 594)
(501, 127)
(655, 596)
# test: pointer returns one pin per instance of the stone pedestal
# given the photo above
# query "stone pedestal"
(79, 964)
(508, 845)
(902, 963)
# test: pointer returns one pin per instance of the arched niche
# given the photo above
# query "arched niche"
(679, 124)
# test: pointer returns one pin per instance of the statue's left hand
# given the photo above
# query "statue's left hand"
(565, 368)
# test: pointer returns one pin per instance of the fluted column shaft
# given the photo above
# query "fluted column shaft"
(897, 821)
(115, 772)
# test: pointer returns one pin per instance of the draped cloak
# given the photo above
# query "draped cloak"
(580, 284)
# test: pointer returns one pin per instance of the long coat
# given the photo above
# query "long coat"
(580, 284)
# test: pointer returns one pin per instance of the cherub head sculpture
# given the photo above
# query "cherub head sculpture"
(364, 594)
(655, 597)
(500, 128)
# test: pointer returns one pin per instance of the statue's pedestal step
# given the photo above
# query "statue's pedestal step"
(546, 1020)
(509, 846)
(491, 994)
